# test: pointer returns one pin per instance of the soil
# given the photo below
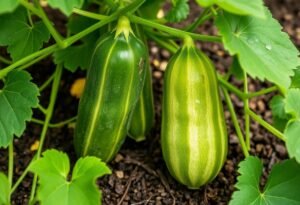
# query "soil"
(139, 173)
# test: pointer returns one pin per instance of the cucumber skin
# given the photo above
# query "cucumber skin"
(193, 136)
(143, 115)
(114, 82)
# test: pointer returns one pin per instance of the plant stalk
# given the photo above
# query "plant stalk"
(235, 122)
(49, 113)
(10, 167)
(266, 125)
(246, 115)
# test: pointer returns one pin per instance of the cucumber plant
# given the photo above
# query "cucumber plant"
(118, 100)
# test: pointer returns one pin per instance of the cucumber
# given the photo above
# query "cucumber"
(143, 115)
(193, 136)
(113, 86)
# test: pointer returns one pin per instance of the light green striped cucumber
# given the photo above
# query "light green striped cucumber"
(143, 115)
(113, 86)
(194, 136)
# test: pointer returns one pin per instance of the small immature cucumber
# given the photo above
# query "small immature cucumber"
(113, 86)
(194, 136)
(143, 115)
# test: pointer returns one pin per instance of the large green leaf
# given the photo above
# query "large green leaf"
(66, 6)
(78, 56)
(282, 187)
(17, 98)
(292, 102)
(4, 191)
(280, 117)
(296, 79)
(8, 5)
(264, 51)
(55, 187)
(21, 38)
(242, 7)
(291, 134)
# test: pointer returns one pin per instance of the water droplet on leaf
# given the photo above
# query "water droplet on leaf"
(269, 47)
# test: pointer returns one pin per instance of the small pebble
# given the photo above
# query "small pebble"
(119, 188)
(281, 150)
(120, 174)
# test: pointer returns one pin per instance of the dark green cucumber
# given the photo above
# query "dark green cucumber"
(143, 115)
(113, 86)
(194, 136)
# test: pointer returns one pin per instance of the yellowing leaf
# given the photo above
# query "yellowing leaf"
(77, 87)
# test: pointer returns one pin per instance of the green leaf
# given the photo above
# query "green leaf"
(4, 191)
(292, 102)
(78, 56)
(17, 98)
(55, 188)
(179, 11)
(282, 187)
(296, 79)
(264, 51)
(21, 38)
(66, 6)
(236, 69)
(291, 134)
(8, 5)
(240, 7)
(280, 118)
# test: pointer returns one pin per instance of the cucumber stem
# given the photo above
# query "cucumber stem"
(123, 27)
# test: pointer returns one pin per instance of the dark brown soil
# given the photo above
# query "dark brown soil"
(139, 173)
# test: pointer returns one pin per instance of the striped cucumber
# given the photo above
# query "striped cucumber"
(194, 136)
(113, 86)
(143, 115)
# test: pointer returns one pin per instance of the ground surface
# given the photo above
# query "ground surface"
(139, 173)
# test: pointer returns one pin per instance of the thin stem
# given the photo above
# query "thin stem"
(162, 43)
(46, 83)
(266, 125)
(111, 4)
(42, 109)
(10, 166)
(167, 29)
(231, 88)
(33, 61)
(89, 14)
(204, 16)
(29, 18)
(263, 91)
(37, 121)
(246, 115)
(49, 113)
(173, 31)
(4, 60)
(65, 122)
(235, 122)
(240, 93)
(54, 125)
(26, 59)
(23, 175)
(30, 7)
